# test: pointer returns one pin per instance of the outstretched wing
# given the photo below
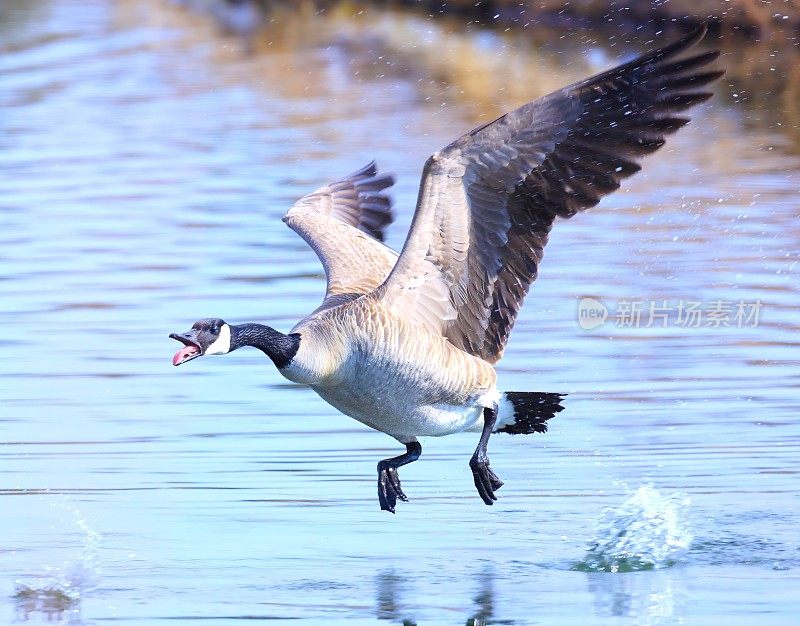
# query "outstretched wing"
(343, 223)
(488, 200)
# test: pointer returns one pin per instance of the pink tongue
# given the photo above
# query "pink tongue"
(183, 354)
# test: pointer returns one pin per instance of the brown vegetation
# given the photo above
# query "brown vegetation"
(759, 39)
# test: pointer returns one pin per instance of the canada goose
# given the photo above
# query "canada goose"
(406, 344)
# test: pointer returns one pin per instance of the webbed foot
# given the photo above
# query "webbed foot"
(389, 488)
(486, 481)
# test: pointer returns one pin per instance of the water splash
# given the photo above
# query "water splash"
(647, 531)
(57, 590)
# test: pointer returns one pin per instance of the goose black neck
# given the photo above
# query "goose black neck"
(277, 346)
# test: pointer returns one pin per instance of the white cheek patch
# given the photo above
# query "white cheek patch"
(222, 345)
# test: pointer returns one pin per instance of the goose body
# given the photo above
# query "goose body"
(399, 379)
(406, 343)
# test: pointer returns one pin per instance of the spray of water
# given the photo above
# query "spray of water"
(647, 531)
(57, 589)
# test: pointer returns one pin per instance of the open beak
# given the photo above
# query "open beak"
(191, 348)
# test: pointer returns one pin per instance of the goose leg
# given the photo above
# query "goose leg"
(486, 480)
(389, 489)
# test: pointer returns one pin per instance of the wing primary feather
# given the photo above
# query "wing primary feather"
(344, 223)
(488, 200)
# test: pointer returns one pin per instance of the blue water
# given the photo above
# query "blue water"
(145, 161)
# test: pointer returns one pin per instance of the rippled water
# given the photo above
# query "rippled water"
(145, 161)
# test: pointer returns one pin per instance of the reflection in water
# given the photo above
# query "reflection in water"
(389, 590)
(484, 598)
(392, 593)
(654, 599)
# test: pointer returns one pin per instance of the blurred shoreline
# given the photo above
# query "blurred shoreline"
(749, 18)
(462, 44)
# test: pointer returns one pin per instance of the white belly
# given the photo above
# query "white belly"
(402, 418)
(397, 379)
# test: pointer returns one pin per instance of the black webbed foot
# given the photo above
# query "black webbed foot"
(486, 481)
(389, 489)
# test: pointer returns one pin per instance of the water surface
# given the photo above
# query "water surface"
(145, 161)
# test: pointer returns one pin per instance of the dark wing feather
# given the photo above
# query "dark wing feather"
(343, 223)
(357, 200)
(488, 200)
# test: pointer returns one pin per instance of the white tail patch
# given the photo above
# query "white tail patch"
(505, 412)
(222, 345)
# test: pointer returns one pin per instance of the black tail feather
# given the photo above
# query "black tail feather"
(531, 411)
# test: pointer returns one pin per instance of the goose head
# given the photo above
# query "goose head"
(207, 336)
